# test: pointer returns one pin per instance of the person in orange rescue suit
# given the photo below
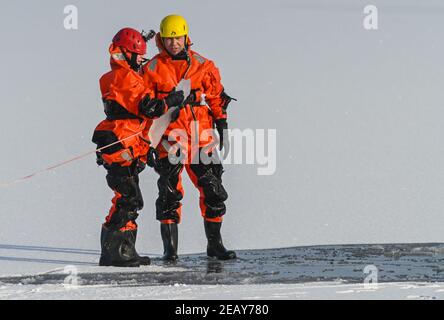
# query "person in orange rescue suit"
(127, 103)
(176, 61)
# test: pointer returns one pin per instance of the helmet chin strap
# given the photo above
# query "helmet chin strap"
(131, 61)
(145, 61)
(186, 50)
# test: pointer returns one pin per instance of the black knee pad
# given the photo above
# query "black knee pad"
(215, 209)
(167, 210)
(210, 180)
(121, 217)
(211, 184)
(128, 187)
(169, 197)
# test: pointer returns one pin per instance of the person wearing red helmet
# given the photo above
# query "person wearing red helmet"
(123, 147)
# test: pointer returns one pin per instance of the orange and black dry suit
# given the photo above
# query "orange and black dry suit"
(162, 74)
(122, 90)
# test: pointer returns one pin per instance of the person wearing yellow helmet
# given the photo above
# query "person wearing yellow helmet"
(204, 108)
(174, 34)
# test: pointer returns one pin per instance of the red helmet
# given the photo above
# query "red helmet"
(130, 39)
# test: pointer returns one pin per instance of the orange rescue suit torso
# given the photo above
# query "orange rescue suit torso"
(163, 73)
(122, 90)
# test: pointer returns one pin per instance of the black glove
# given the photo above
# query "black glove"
(175, 99)
(151, 108)
(191, 98)
(99, 159)
(140, 166)
(175, 114)
(152, 157)
(224, 140)
(226, 99)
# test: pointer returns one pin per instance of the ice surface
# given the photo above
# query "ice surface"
(287, 273)
(319, 290)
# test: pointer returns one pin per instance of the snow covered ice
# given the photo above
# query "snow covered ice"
(321, 272)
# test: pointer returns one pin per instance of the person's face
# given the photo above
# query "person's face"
(174, 45)
(139, 59)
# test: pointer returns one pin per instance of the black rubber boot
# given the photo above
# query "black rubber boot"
(144, 261)
(215, 246)
(118, 249)
(169, 234)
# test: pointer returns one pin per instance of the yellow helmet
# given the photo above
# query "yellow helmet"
(173, 26)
